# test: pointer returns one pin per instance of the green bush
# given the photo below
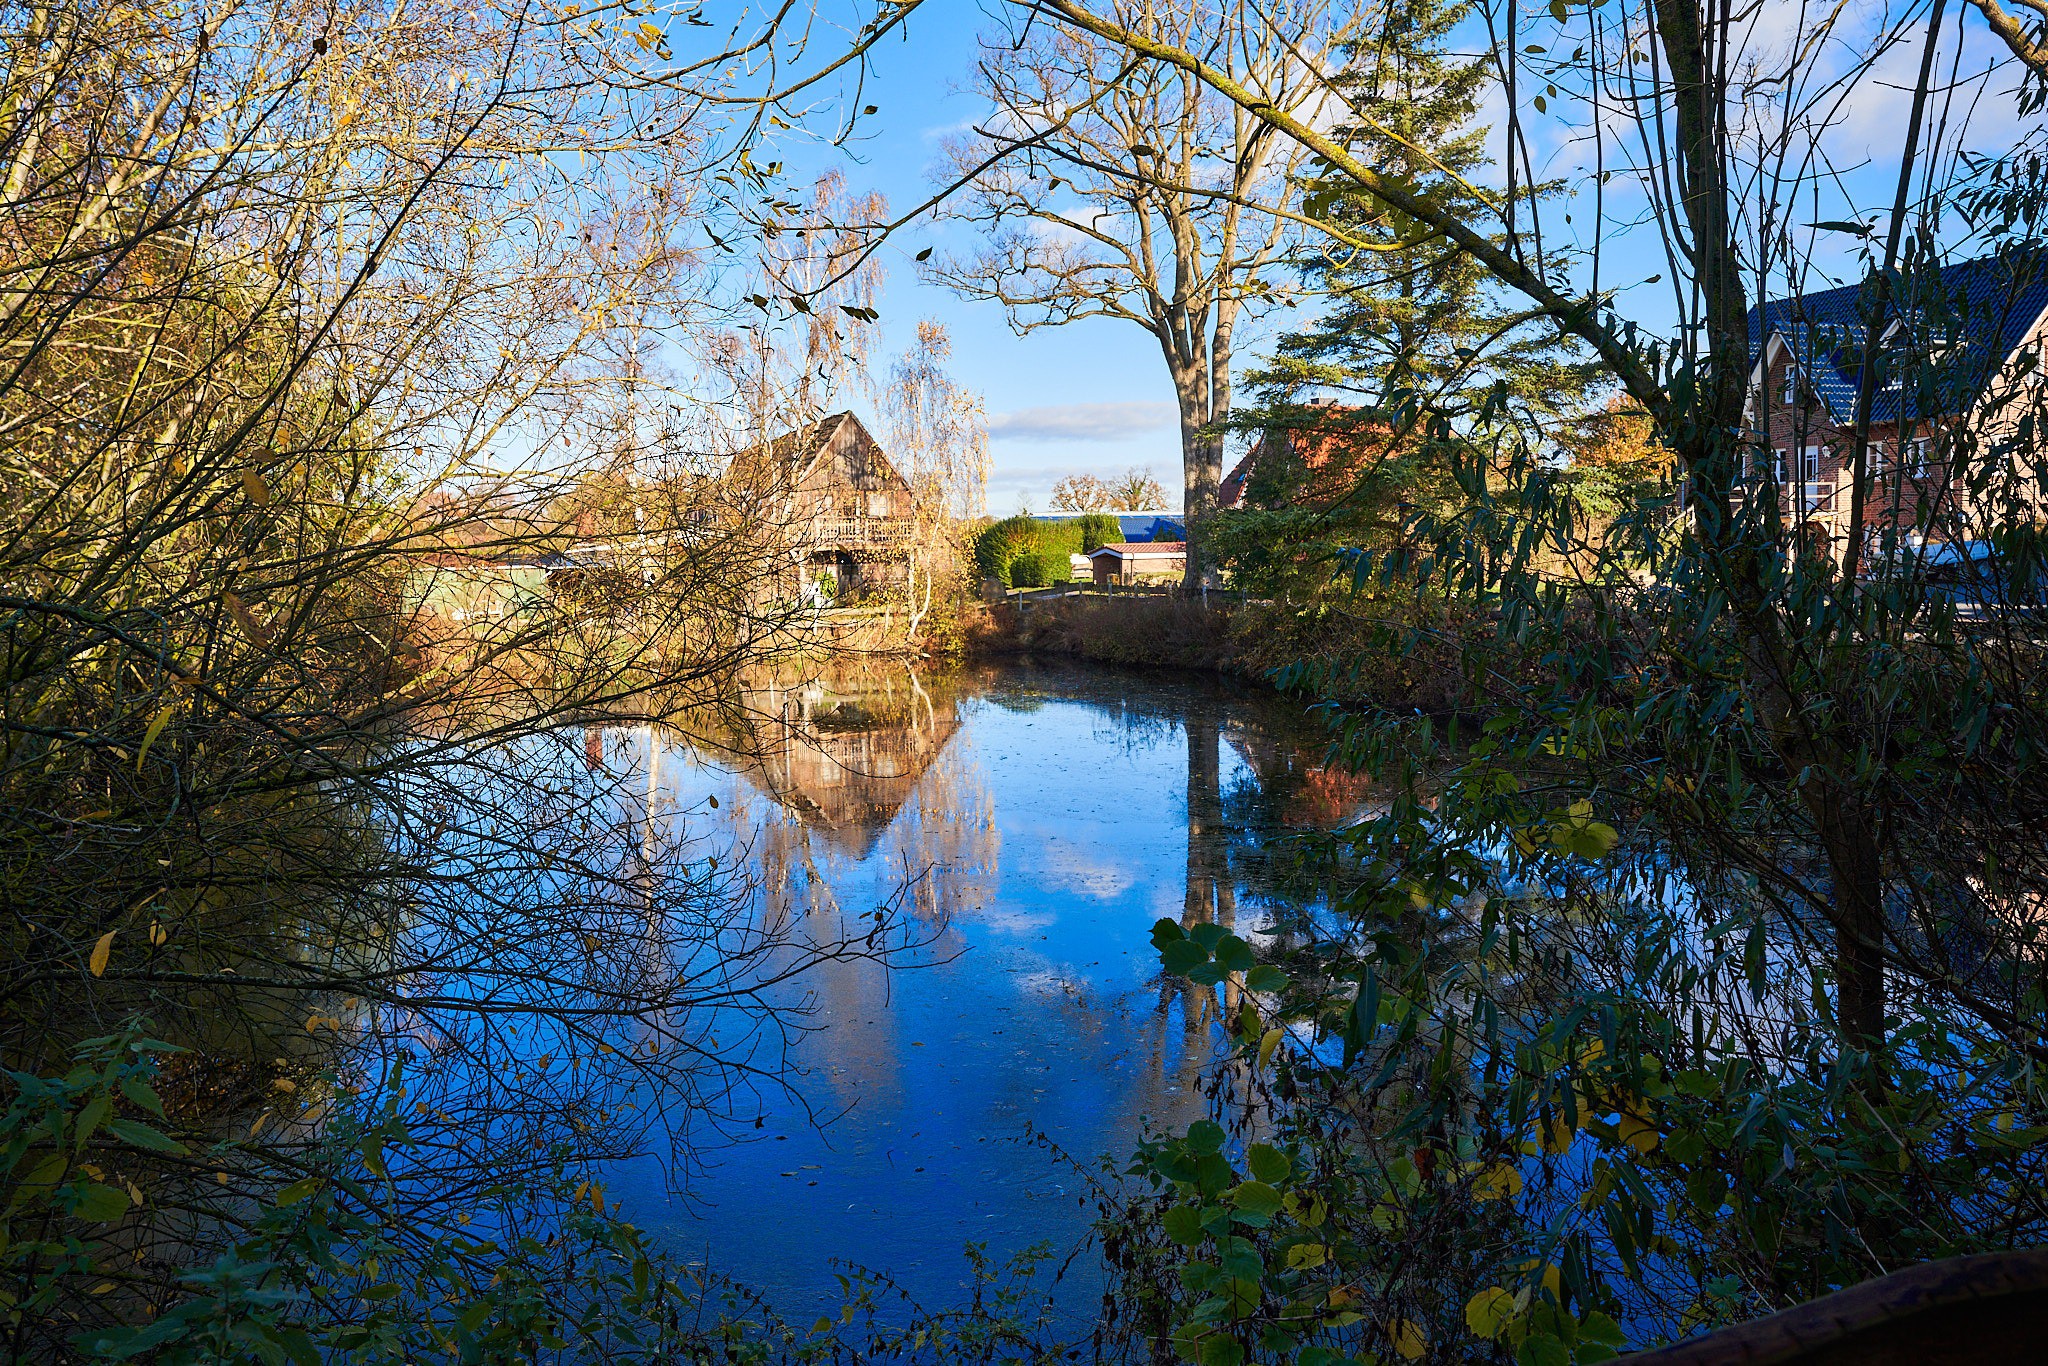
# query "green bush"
(1039, 569)
(997, 546)
(1001, 549)
(1098, 529)
(1053, 567)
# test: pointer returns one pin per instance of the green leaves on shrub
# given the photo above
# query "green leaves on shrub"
(1027, 552)
(1206, 954)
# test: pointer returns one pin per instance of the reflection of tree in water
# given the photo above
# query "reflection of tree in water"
(1287, 792)
(867, 793)
(864, 792)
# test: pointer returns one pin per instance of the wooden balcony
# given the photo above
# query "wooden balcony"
(859, 533)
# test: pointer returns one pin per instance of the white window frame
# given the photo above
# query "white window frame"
(1919, 459)
(1779, 459)
(1809, 464)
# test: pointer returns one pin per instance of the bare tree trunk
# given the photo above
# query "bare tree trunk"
(1201, 471)
(1856, 872)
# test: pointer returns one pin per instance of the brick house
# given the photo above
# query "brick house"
(1957, 371)
(1314, 465)
(1129, 562)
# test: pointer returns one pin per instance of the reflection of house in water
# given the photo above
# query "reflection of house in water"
(1300, 788)
(845, 763)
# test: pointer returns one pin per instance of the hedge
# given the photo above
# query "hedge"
(1099, 529)
(1003, 549)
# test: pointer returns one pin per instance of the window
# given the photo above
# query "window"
(1777, 467)
(1875, 461)
(878, 505)
(1788, 386)
(1918, 451)
(1809, 464)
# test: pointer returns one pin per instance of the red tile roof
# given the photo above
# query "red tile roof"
(1143, 548)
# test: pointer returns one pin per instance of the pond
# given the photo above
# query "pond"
(1035, 822)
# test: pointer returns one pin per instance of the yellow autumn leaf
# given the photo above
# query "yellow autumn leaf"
(97, 964)
(1306, 1256)
(245, 619)
(1489, 1312)
(1553, 1279)
(1638, 1132)
(1408, 1339)
(1498, 1182)
(258, 491)
(1267, 1043)
(156, 728)
(158, 935)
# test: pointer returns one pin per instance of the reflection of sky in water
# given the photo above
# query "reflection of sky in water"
(1055, 829)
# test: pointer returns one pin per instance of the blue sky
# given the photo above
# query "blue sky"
(1090, 396)
(1093, 396)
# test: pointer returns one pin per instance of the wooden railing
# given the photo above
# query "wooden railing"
(1987, 1308)
(863, 531)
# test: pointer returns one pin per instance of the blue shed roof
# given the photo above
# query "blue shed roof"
(1966, 320)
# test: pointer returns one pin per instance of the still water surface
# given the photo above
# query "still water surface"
(1036, 822)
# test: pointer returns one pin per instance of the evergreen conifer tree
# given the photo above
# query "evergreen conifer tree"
(1406, 310)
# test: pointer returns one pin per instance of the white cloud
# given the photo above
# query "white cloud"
(1082, 422)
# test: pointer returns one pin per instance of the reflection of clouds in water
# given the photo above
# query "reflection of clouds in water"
(1014, 919)
(1036, 837)
(1075, 868)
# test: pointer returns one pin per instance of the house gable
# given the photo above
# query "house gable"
(840, 452)
(1976, 314)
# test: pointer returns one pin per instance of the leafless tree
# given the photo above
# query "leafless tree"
(1721, 161)
(309, 322)
(938, 438)
(1135, 490)
(808, 343)
(1080, 493)
(1108, 188)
